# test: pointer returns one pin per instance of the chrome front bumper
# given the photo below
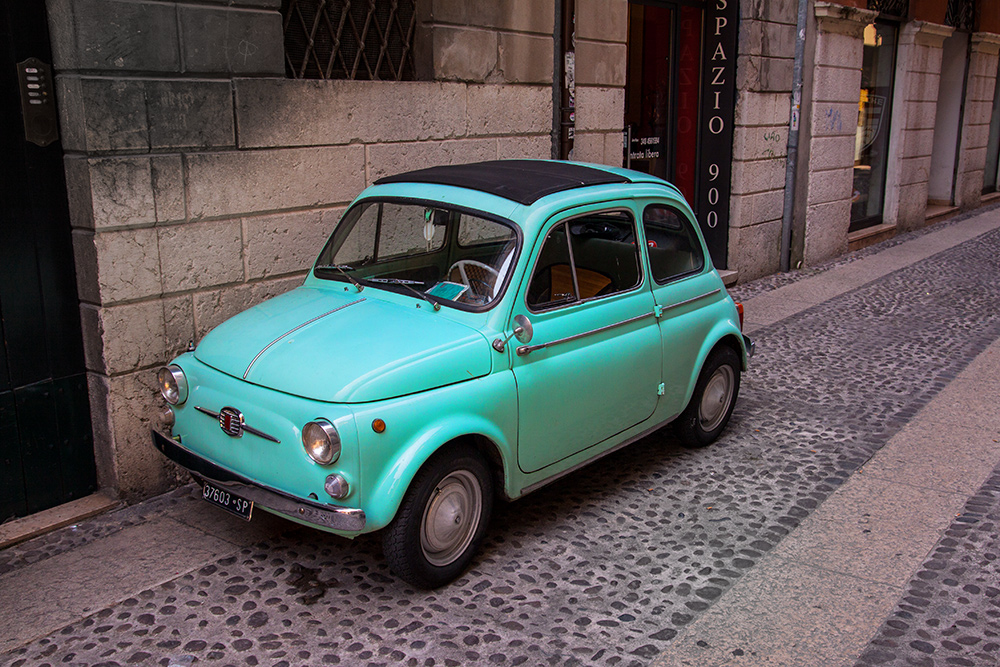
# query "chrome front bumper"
(327, 516)
(750, 345)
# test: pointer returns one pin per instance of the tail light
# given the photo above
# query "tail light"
(739, 309)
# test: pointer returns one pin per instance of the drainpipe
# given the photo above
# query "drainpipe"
(564, 81)
(793, 137)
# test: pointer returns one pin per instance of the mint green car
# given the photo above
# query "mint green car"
(467, 333)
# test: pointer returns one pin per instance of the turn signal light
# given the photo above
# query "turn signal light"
(739, 309)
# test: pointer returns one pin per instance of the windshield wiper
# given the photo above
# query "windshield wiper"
(406, 284)
(343, 268)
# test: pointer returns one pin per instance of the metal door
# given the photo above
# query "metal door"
(46, 440)
(592, 367)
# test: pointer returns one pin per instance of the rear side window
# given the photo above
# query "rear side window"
(585, 258)
(672, 244)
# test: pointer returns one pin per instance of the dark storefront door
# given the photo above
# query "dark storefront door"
(46, 440)
(679, 101)
(661, 107)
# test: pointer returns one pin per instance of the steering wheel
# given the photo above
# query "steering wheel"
(476, 276)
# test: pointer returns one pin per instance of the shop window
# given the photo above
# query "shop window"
(874, 110)
(340, 39)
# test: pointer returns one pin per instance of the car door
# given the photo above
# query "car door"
(681, 288)
(592, 367)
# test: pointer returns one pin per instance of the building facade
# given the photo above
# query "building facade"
(208, 148)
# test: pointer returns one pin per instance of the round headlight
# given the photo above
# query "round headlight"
(321, 442)
(173, 384)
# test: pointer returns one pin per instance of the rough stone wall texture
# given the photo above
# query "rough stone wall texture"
(507, 41)
(601, 60)
(202, 182)
(918, 80)
(833, 120)
(980, 86)
(760, 142)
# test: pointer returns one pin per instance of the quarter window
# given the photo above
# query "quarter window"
(673, 247)
(585, 258)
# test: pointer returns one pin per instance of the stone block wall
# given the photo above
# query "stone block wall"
(918, 78)
(833, 122)
(506, 41)
(201, 181)
(760, 141)
(601, 61)
(984, 55)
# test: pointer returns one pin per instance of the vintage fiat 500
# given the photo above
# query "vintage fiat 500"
(467, 333)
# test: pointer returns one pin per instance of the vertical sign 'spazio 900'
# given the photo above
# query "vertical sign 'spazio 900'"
(716, 127)
(468, 333)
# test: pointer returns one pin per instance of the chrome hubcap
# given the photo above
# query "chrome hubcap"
(451, 517)
(716, 398)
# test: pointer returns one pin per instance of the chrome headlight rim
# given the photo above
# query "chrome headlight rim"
(321, 441)
(173, 384)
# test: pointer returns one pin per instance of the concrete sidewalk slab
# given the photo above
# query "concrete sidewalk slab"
(45, 597)
(778, 616)
(873, 529)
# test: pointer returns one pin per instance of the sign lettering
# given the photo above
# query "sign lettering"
(718, 89)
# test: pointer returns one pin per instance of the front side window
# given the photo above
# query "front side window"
(587, 257)
(416, 248)
(672, 244)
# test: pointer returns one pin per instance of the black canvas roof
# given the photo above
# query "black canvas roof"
(523, 181)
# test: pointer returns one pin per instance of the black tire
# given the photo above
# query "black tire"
(713, 400)
(421, 545)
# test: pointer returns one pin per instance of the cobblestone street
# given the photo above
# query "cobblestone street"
(611, 564)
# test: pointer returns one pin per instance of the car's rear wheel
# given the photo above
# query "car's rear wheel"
(713, 400)
(441, 520)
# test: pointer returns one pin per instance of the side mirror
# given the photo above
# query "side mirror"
(523, 331)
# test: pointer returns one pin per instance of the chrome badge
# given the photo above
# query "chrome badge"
(231, 422)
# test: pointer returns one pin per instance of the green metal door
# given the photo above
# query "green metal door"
(592, 367)
(46, 439)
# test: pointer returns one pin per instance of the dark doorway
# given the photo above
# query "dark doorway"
(661, 92)
(46, 440)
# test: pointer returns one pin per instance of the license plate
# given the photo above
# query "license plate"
(230, 502)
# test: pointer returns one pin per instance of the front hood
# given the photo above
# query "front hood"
(344, 348)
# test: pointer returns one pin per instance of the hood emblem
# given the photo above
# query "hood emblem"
(231, 422)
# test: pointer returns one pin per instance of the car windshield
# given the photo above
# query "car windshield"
(442, 255)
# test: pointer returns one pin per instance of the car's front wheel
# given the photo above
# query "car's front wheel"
(441, 520)
(713, 401)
